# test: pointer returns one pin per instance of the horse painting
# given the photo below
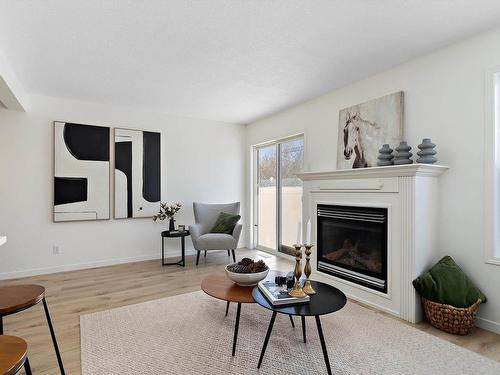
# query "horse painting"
(363, 129)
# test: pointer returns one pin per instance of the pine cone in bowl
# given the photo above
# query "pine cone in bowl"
(259, 266)
(247, 272)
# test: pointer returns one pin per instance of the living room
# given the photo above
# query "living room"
(249, 115)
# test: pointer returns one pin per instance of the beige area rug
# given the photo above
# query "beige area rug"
(190, 334)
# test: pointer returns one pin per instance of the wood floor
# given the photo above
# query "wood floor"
(70, 294)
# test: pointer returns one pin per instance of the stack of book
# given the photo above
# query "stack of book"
(278, 294)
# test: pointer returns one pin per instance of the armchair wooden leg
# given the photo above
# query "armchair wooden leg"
(198, 257)
(205, 254)
(234, 256)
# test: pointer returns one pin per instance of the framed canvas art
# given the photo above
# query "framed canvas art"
(81, 172)
(137, 173)
(365, 127)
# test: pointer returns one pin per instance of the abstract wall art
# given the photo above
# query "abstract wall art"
(365, 127)
(137, 173)
(81, 172)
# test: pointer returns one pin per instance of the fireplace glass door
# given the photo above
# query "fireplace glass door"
(352, 244)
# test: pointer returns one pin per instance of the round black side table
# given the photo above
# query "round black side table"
(327, 300)
(174, 234)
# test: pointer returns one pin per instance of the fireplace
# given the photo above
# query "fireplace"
(352, 244)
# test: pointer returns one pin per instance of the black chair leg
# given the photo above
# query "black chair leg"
(234, 256)
(228, 253)
(54, 341)
(27, 367)
(1, 325)
(227, 307)
(291, 321)
(205, 254)
(198, 257)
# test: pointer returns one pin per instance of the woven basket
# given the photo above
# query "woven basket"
(456, 320)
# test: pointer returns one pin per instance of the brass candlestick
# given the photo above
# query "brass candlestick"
(297, 288)
(308, 289)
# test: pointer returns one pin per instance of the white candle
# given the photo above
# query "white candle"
(308, 238)
(299, 233)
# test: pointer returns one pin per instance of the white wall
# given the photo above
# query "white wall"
(202, 161)
(444, 100)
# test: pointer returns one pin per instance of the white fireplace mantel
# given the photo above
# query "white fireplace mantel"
(410, 193)
(425, 170)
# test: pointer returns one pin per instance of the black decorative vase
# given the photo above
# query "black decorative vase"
(171, 225)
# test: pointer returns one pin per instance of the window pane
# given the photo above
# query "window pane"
(291, 161)
(267, 161)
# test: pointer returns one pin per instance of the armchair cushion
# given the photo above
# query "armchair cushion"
(216, 241)
(225, 223)
(206, 214)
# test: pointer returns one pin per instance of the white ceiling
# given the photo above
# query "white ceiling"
(227, 60)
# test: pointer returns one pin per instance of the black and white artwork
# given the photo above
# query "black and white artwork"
(137, 173)
(81, 172)
(365, 127)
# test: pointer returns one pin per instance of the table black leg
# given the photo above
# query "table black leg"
(268, 334)
(304, 328)
(27, 367)
(183, 248)
(54, 341)
(227, 307)
(236, 327)
(1, 325)
(323, 345)
(291, 321)
(162, 251)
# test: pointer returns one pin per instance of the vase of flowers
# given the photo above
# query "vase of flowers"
(168, 212)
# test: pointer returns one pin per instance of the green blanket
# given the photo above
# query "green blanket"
(446, 283)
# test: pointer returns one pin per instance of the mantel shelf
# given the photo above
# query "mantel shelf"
(3, 240)
(408, 170)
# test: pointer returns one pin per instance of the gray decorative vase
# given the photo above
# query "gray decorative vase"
(403, 154)
(427, 152)
(385, 156)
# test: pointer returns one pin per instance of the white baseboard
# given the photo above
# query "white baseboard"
(489, 325)
(81, 266)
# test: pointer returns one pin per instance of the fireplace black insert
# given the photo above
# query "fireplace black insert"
(352, 244)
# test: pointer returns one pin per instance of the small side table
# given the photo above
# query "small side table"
(174, 234)
(13, 355)
(327, 300)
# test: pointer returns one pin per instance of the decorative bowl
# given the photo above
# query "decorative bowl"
(246, 279)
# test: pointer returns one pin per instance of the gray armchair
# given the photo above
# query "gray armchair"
(205, 216)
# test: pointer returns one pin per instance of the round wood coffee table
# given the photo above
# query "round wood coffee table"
(327, 300)
(13, 355)
(16, 298)
(219, 286)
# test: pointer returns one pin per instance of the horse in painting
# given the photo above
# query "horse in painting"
(359, 137)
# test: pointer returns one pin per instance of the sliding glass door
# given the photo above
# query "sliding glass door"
(267, 202)
(278, 194)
